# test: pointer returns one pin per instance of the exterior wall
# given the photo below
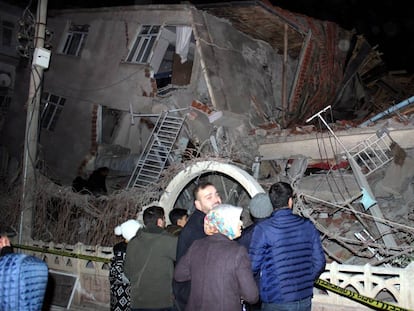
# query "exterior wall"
(13, 119)
(99, 76)
(10, 14)
(231, 72)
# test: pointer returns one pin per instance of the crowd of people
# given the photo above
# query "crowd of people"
(206, 261)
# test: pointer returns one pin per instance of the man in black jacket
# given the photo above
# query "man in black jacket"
(206, 197)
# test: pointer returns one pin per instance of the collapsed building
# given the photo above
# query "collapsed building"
(152, 91)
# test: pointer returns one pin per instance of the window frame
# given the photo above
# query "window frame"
(142, 49)
(7, 28)
(5, 102)
(74, 39)
(51, 110)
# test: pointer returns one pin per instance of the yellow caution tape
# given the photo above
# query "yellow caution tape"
(375, 304)
(62, 253)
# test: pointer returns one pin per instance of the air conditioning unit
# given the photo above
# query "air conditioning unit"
(5, 79)
(7, 76)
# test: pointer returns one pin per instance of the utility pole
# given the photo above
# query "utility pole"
(32, 128)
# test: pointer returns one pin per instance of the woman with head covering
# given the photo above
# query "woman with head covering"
(119, 284)
(218, 267)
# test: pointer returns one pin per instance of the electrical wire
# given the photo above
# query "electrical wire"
(65, 87)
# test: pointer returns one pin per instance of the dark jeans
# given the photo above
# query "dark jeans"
(300, 305)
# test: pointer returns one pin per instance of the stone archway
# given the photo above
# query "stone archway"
(182, 179)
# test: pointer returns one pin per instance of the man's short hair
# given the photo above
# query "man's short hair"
(176, 214)
(279, 194)
(201, 186)
(152, 214)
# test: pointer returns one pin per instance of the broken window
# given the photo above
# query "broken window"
(170, 52)
(6, 33)
(110, 119)
(52, 106)
(172, 61)
(75, 39)
(143, 44)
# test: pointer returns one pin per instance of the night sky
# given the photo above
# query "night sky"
(386, 23)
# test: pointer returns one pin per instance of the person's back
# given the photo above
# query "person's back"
(23, 281)
(119, 284)
(286, 238)
(149, 263)
(218, 267)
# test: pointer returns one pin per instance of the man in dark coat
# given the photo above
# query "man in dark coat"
(286, 238)
(205, 198)
(149, 263)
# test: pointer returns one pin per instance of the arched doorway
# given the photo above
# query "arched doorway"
(235, 185)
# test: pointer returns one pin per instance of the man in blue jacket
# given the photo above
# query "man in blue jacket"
(287, 253)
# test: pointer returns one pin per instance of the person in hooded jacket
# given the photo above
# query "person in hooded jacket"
(120, 288)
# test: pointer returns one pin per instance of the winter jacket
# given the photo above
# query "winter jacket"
(220, 274)
(149, 266)
(286, 251)
(247, 234)
(23, 282)
(193, 230)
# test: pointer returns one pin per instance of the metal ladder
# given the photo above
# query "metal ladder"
(373, 152)
(156, 151)
(377, 149)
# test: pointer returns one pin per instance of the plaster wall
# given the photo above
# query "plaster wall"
(232, 72)
(98, 76)
(13, 119)
(9, 14)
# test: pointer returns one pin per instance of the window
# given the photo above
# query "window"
(75, 39)
(143, 45)
(6, 33)
(52, 106)
(4, 104)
